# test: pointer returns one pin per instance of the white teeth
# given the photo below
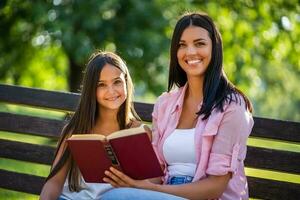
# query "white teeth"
(112, 99)
(193, 61)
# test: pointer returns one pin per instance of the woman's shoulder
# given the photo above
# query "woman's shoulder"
(235, 101)
(169, 96)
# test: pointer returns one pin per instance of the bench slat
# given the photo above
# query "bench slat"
(30, 125)
(26, 152)
(21, 182)
(144, 110)
(63, 101)
(272, 189)
(278, 160)
(276, 129)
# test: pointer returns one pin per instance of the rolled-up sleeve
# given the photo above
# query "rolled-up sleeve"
(229, 143)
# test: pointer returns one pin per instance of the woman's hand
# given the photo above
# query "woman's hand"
(119, 179)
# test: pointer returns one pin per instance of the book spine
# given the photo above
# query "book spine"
(111, 154)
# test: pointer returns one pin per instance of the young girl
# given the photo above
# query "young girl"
(105, 106)
(200, 129)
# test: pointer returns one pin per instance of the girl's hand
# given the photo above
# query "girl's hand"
(119, 179)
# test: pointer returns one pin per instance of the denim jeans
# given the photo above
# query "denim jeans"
(137, 194)
(177, 180)
(140, 194)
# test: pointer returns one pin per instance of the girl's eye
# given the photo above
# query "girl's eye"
(101, 85)
(117, 82)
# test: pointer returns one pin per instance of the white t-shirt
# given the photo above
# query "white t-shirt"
(179, 152)
(89, 191)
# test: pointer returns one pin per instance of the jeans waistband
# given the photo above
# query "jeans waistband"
(177, 180)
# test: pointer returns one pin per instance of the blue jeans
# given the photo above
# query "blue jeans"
(140, 194)
(137, 194)
(178, 180)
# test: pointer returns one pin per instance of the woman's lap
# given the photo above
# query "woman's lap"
(137, 194)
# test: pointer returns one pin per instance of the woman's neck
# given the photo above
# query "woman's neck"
(195, 89)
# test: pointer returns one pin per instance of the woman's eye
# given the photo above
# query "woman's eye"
(181, 45)
(199, 44)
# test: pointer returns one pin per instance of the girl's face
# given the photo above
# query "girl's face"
(111, 88)
(194, 51)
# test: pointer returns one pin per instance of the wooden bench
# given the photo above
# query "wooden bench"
(257, 157)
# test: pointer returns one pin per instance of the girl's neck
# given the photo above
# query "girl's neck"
(106, 122)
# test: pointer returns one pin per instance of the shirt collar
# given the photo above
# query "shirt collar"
(180, 99)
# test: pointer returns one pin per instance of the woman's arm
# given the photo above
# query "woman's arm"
(208, 188)
(53, 187)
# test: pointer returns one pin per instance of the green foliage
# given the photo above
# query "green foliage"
(46, 44)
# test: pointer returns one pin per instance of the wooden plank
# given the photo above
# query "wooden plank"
(30, 125)
(144, 110)
(62, 101)
(276, 129)
(272, 190)
(278, 160)
(21, 182)
(26, 152)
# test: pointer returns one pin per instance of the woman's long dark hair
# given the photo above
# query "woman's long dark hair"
(86, 113)
(217, 89)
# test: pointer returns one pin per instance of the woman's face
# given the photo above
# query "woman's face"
(194, 51)
(111, 88)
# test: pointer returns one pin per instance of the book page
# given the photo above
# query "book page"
(127, 132)
(87, 137)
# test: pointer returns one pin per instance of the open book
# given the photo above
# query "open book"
(129, 150)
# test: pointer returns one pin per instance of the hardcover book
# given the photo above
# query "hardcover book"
(129, 150)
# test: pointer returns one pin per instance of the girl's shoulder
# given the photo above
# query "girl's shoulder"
(135, 123)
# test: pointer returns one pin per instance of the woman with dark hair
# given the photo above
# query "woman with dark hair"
(201, 125)
(105, 106)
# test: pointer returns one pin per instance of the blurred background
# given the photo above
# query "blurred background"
(46, 43)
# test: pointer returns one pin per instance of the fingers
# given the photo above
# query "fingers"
(116, 178)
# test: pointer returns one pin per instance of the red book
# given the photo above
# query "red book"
(129, 150)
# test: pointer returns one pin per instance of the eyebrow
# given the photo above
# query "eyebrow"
(197, 40)
(112, 79)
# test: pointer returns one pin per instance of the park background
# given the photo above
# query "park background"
(46, 43)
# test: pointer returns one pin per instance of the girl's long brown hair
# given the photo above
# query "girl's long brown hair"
(85, 116)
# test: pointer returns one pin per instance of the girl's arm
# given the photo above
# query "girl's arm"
(53, 187)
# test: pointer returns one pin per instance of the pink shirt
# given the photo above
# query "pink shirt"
(220, 140)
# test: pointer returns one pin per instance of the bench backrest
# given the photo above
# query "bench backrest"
(257, 157)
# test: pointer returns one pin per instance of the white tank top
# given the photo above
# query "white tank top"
(179, 152)
(89, 191)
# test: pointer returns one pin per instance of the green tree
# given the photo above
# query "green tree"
(261, 45)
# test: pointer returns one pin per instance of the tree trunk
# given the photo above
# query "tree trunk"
(75, 75)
